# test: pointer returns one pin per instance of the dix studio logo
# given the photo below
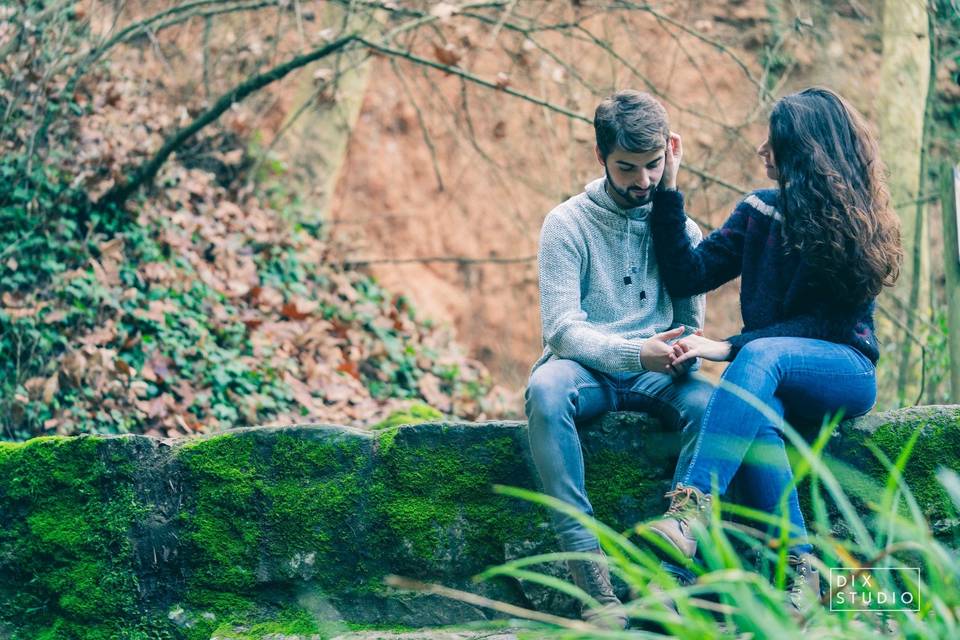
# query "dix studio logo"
(874, 589)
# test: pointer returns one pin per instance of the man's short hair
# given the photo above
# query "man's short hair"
(632, 120)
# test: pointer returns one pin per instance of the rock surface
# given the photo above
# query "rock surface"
(305, 522)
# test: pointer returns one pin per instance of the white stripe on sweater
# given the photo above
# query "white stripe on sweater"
(763, 207)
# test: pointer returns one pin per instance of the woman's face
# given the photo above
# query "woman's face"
(765, 152)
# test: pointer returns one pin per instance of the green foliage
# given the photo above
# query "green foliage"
(61, 299)
(194, 333)
(774, 59)
(41, 238)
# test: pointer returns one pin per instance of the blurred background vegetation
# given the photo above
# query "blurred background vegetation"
(223, 213)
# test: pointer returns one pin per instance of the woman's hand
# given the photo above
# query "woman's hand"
(697, 346)
(671, 161)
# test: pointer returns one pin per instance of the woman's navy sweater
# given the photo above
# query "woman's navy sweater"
(779, 294)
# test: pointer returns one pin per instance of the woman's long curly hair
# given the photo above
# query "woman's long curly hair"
(834, 196)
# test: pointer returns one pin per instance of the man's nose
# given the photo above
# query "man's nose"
(643, 180)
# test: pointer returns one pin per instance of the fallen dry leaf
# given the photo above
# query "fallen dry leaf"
(50, 387)
(447, 53)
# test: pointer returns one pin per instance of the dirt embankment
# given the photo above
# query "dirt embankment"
(441, 168)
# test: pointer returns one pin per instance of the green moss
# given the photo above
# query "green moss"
(271, 507)
(434, 498)
(131, 629)
(287, 621)
(220, 523)
(619, 488)
(315, 497)
(67, 508)
(938, 447)
(386, 438)
(416, 413)
(863, 477)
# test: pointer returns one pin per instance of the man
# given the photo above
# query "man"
(608, 323)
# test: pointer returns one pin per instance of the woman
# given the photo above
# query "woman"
(813, 254)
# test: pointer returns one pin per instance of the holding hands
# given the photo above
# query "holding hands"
(677, 358)
(657, 355)
(697, 346)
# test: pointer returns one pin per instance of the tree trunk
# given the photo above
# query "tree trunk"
(950, 198)
(904, 83)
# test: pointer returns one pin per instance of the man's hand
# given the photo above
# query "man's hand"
(696, 346)
(656, 354)
(671, 161)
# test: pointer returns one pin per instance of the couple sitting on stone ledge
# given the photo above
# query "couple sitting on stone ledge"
(623, 274)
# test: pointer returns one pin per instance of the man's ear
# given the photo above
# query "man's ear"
(600, 159)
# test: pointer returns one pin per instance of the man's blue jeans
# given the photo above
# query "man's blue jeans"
(800, 378)
(562, 392)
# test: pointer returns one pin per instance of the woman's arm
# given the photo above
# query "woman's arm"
(836, 329)
(687, 270)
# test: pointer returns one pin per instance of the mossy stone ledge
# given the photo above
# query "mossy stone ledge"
(133, 537)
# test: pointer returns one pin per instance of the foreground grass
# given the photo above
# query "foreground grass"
(736, 585)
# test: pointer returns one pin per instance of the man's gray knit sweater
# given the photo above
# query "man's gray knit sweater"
(601, 296)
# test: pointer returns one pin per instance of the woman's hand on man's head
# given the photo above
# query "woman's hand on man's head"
(671, 161)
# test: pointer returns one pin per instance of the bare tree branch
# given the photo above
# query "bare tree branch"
(700, 36)
(144, 174)
(524, 96)
(407, 55)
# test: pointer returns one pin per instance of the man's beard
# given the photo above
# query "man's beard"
(632, 200)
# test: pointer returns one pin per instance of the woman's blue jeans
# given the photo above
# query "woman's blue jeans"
(563, 392)
(801, 379)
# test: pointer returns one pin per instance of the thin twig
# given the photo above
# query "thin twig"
(523, 96)
(923, 348)
(447, 259)
(915, 314)
(700, 36)
(422, 122)
(487, 603)
(407, 55)
(924, 199)
(503, 19)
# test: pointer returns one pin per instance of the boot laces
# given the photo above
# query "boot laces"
(798, 580)
(680, 500)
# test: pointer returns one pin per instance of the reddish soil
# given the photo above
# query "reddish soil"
(504, 162)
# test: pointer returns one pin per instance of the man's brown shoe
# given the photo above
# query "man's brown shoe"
(688, 505)
(594, 578)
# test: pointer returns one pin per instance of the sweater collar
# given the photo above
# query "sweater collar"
(597, 193)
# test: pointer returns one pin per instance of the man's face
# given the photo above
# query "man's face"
(632, 177)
